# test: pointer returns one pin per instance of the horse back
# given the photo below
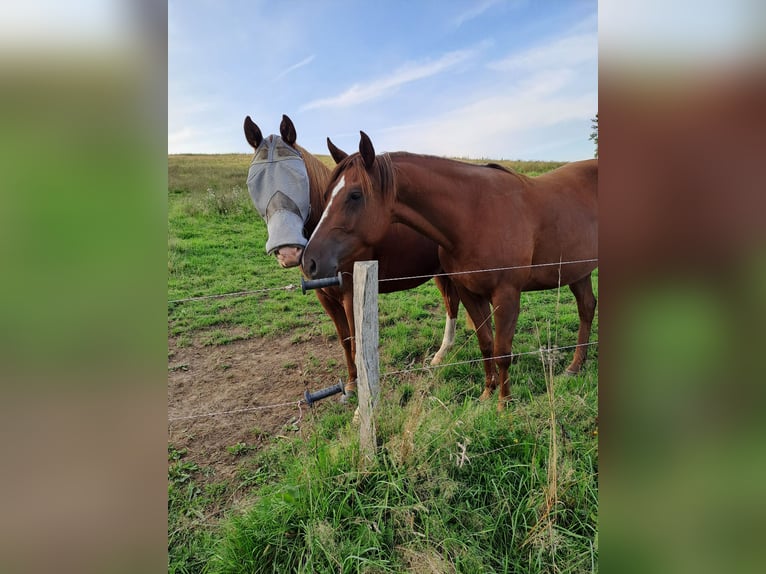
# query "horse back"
(570, 191)
(578, 177)
(564, 206)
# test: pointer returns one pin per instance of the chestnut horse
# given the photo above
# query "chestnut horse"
(401, 252)
(522, 230)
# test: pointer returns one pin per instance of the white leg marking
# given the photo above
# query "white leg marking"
(447, 341)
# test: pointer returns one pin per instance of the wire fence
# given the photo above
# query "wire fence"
(299, 403)
(489, 270)
(292, 287)
(460, 453)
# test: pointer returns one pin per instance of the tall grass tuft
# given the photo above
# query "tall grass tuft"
(456, 486)
(233, 201)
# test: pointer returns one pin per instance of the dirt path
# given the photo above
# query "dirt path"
(242, 375)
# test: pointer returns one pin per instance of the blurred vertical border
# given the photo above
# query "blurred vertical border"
(682, 98)
(83, 285)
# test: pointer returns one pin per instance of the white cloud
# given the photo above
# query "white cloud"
(561, 53)
(294, 67)
(206, 138)
(408, 73)
(184, 119)
(182, 140)
(498, 125)
(184, 109)
(474, 12)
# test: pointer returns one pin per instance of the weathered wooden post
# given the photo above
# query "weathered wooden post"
(368, 370)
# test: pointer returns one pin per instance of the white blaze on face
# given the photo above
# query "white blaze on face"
(336, 190)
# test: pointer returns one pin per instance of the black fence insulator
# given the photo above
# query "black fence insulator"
(319, 283)
(311, 398)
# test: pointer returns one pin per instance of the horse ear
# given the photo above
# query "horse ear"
(337, 154)
(253, 133)
(366, 150)
(287, 130)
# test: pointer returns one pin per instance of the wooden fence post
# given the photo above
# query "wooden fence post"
(367, 366)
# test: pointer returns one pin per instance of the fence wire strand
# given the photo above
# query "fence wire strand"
(237, 411)
(489, 270)
(469, 361)
(299, 403)
(292, 287)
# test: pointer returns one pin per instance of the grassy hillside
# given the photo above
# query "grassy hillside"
(457, 487)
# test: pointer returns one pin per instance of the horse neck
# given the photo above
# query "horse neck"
(427, 186)
(319, 177)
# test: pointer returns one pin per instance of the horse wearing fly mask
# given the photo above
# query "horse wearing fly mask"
(287, 185)
(279, 187)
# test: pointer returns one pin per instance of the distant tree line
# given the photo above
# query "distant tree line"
(594, 133)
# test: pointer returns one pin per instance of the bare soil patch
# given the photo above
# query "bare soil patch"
(205, 383)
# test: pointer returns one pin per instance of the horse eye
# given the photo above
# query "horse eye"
(355, 195)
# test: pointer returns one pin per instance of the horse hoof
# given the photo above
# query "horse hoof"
(345, 398)
(570, 373)
(437, 359)
(485, 395)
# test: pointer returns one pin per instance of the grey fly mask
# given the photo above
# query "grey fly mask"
(279, 187)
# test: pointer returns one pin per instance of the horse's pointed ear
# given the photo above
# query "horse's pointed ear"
(287, 130)
(253, 133)
(366, 150)
(337, 154)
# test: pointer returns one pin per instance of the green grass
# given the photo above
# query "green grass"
(190, 542)
(216, 245)
(309, 508)
(192, 173)
(419, 505)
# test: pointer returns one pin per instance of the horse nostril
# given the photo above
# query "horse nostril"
(312, 269)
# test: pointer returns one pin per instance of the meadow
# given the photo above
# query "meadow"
(457, 487)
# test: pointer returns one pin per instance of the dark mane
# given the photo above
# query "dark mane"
(501, 167)
(508, 170)
(318, 172)
(319, 177)
(383, 168)
(492, 165)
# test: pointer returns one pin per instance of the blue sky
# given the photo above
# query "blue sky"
(499, 79)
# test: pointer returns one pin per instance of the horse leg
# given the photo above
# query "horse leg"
(478, 309)
(451, 304)
(348, 306)
(506, 307)
(337, 313)
(586, 308)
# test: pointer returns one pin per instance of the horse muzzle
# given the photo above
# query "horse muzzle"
(289, 256)
(315, 267)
